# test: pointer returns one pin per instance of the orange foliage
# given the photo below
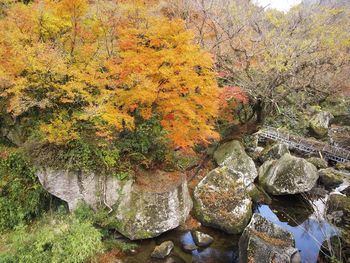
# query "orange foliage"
(229, 98)
(73, 63)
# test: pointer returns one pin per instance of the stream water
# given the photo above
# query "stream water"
(293, 213)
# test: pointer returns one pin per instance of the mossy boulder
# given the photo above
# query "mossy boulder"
(343, 166)
(265, 242)
(331, 178)
(232, 155)
(318, 162)
(221, 201)
(274, 152)
(338, 213)
(338, 210)
(141, 210)
(146, 213)
(319, 123)
(288, 175)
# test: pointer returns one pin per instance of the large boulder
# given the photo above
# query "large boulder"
(331, 178)
(288, 175)
(141, 211)
(318, 162)
(319, 123)
(265, 242)
(274, 152)
(233, 155)
(221, 201)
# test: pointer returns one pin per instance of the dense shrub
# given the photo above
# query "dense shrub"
(59, 239)
(21, 196)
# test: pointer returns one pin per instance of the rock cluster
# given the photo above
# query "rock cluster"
(221, 199)
(233, 156)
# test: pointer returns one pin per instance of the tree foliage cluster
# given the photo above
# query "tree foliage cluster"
(74, 72)
(280, 60)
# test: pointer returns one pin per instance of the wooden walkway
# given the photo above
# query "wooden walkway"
(329, 152)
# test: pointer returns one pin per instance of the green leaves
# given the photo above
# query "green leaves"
(21, 196)
(54, 240)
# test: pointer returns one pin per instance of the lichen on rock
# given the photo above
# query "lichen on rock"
(221, 201)
(140, 213)
(232, 155)
(288, 175)
(265, 242)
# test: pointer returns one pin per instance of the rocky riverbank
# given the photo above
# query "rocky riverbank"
(225, 199)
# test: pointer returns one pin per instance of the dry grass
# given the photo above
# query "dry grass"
(271, 240)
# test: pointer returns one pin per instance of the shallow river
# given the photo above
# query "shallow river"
(291, 213)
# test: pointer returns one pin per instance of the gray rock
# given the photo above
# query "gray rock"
(338, 210)
(265, 242)
(274, 152)
(75, 187)
(139, 213)
(163, 250)
(318, 162)
(189, 247)
(288, 175)
(202, 239)
(346, 191)
(330, 177)
(221, 201)
(232, 155)
(319, 123)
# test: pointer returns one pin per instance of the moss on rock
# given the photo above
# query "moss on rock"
(222, 202)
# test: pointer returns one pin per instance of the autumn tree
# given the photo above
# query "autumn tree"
(72, 72)
(278, 59)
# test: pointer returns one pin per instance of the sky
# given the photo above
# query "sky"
(282, 5)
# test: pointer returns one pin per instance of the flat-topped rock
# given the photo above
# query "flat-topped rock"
(141, 211)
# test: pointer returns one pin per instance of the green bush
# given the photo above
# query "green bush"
(22, 197)
(54, 240)
(147, 144)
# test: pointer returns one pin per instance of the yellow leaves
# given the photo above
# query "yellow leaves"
(60, 55)
(72, 8)
(60, 130)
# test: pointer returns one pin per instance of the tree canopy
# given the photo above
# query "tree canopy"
(75, 70)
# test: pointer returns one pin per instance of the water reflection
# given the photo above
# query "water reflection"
(292, 213)
(308, 234)
(224, 249)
